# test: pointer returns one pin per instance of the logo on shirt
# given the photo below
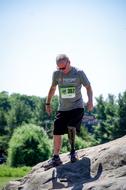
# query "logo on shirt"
(67, 92)
(68, 80)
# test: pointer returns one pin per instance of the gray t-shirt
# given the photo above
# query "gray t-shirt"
(69, 85)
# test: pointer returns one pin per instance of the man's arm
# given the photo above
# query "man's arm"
(90, 97)
(49, 97)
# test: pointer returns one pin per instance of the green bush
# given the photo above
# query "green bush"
(6, 171)
(88, 137)
(83, 140)
(79, 144)
(65, 144)
(28, 146)
(4, 139)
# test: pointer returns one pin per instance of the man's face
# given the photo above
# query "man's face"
(62, 65)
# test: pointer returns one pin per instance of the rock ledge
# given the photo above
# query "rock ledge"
(100, 167)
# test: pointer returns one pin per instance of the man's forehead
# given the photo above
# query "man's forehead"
(61, 61)
(61, 57)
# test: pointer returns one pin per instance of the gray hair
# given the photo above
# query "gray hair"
(61, 57)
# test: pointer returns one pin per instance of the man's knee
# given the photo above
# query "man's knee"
(71, 129)
(71, 133)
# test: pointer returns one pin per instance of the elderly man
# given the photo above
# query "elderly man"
(71, 107)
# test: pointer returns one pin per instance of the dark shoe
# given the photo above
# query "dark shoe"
(73, 157)
(55, 161)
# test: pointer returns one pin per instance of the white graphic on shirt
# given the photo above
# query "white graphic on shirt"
(69, 80)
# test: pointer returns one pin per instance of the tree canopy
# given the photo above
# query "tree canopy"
(18, 110)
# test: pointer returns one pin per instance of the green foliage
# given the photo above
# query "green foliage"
(21, 112)
(28, 146)
(65, 144)
(3, 122)
(4, 101)
(100, 108)
(4, 143)
(87, 137)
(121, 124)
(54, 105)
(82, 141)
(17, 110)
(6, 171)
(107, 115)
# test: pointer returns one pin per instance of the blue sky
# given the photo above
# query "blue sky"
(91, 32)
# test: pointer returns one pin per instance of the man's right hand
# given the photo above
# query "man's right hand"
(48, 109)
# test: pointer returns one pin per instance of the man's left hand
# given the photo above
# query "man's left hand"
(89, 105)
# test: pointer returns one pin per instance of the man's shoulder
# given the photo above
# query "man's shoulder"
(56, 72)
(78, 70)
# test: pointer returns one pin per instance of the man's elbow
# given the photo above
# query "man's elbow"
(53, 88)
(88, 87)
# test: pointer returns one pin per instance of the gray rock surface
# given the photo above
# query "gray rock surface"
(99, 167)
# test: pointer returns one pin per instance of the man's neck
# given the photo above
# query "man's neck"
(68, 70)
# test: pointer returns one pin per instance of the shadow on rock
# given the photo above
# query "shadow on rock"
(73, 175)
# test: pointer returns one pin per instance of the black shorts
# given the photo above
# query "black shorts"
(70, 118)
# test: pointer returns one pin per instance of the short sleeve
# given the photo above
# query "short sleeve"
(83, 78)
(54, 79)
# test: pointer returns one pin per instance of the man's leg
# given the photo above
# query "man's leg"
(71, 136)
(57, 140)
(75, 116)
(55, 161)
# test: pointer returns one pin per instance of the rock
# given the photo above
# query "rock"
(99, 167)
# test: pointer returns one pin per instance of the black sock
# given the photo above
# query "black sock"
(56, 156)
(72, 151)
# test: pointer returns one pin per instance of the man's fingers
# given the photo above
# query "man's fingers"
(89, 106)
(48, 110)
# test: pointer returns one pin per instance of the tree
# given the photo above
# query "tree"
(4, 144)
(107, 115)
(4, 101)
(28, 146)
(45, 120)
(83, 140)
(3, 122)
(4, 108)
(121, 124)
